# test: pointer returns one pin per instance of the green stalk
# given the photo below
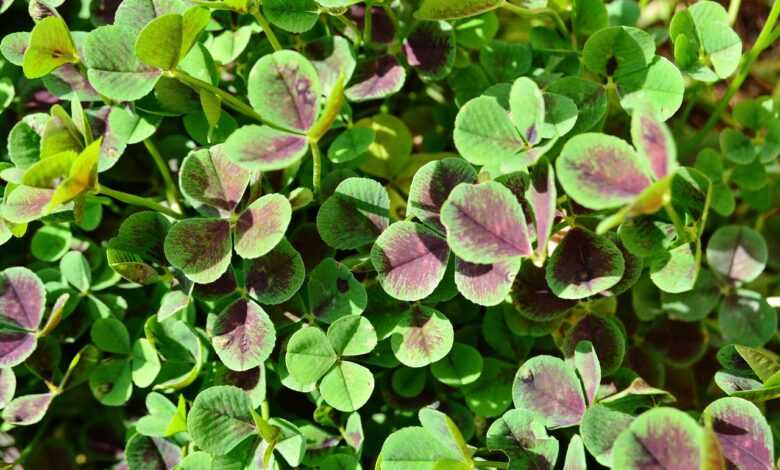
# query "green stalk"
(368, 20)
(734, 10)
(317, 167)
(228, 99)
(530, 13)
(134, 200)
(349, 24)
(764, 40)
(269, 33)
(170, 186)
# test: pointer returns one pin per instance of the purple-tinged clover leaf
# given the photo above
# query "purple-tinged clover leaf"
(7, 386)
(243, 335)
(376, 79)
(200, 247)
(547, 386)
(541, 195)
(263, 148)
(600, 171)
(285, 90)
(486, 284)
(22, 301)
(584, 264)
(430, 49)
(653, 142)
(262, 225)
(152, 453)
(25, 204)
(208, 177)
(276, 276)
(738, 253)
(27, 409)
(356, 213)
(410, 260)
(432, 184)
(422, 336)
(485, 223)
(660, 438)
(743, 432)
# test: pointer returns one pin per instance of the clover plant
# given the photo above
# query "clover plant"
(390, 234)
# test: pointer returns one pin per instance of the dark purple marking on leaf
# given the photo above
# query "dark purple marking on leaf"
(430, 49)
(27, 409)
(246, 380)
(152, 453)
(533, 299)
(209, 177)
(486, 284)
(431, 186)
(225, 285)
(661, 442)
(584, 264)
(410, 260)
(681, 343)
(103, 11)
(606, 335)
(143, 233)
(199, 247)
(743, 433)
(276, 276)
(654, 144)
(243, 335)
(376, 79)
(298, 102)
(22, 298)
(382, 28)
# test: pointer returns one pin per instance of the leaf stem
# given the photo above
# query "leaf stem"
(368, 20)
(734, 10)
(316, 167)
(678, 223)
(171, 191)
(134, 200)
(490, 464)
(351, 25)
(765, 38)
(269, 33)
(230, 100)
(521, 11)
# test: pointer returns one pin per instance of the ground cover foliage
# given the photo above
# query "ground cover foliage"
(419, 234)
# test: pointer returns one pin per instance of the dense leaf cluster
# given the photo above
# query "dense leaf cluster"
(418, 234)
